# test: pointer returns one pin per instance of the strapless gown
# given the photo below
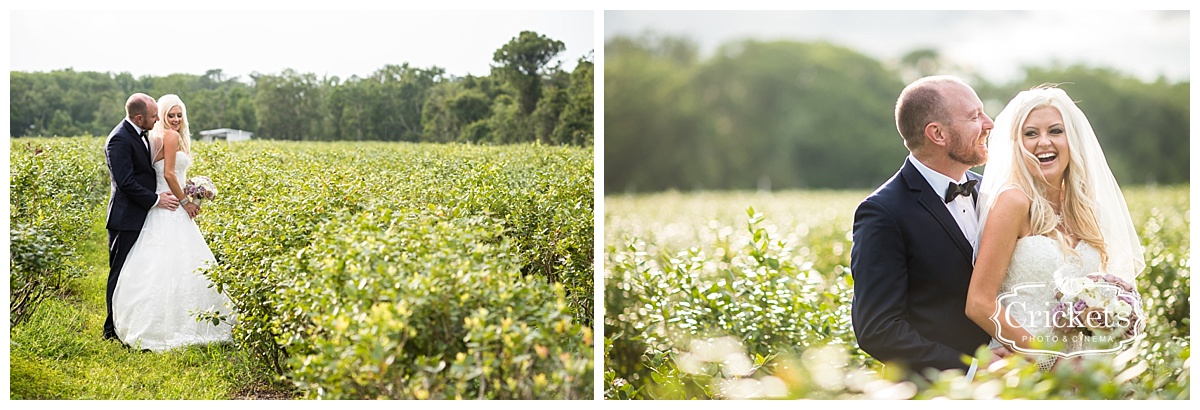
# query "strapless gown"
(162, 286)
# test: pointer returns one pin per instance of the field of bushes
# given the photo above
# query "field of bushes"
(726, 295)
(357, 270)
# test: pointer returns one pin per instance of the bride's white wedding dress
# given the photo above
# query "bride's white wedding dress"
(1030, 285)
(160, 289)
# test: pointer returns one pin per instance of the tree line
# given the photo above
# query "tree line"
(773, 115)
(523, 99)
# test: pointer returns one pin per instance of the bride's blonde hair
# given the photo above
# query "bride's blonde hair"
(1079, 203)
(165, 103)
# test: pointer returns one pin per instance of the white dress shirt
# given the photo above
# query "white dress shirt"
(962, 208)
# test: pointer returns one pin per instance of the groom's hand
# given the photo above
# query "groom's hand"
(166, 200)
(193, 210)
(1000, 353)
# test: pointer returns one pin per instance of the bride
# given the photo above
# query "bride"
(1051, 213)
(162, 286)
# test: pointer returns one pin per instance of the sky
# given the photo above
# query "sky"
(996, 44)
(359, 40)
(243, 41)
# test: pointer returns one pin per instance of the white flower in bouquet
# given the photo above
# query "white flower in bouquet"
(1072, 289)
(1121, 308)
(1103, 304)
(200, 190)
(1091, 295)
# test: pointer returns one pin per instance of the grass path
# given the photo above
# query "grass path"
(59, 354)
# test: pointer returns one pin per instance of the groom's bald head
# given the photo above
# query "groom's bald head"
(137, 104)
(142, 110)
(922, 102)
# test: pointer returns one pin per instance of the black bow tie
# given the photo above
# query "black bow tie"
(964, 189)
(145, 133)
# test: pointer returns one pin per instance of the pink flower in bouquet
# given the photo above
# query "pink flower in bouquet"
(200, 190)
(1100, 304)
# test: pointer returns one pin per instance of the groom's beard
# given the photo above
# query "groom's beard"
(964, 151)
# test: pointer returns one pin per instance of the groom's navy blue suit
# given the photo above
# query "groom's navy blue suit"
(912, 265)
(131, 171)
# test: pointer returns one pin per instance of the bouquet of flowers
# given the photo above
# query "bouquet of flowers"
(200, 190)
(1098, 305)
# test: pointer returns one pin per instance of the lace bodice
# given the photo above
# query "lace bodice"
(182, 161)
(1034, 262)
(1036, 258)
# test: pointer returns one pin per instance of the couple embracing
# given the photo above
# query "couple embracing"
(946, 261)
(156, 252)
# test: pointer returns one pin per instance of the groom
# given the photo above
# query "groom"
(131, 172)
(914, 237)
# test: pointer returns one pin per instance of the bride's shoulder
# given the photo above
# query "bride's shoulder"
(1012, 200)
(1012, 190)
(170, 138)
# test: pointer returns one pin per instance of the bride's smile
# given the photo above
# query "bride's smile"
(174, 118)
(1045, 136)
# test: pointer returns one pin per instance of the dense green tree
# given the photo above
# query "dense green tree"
(287, 105)
(798, 111)
(523, 62)
(397, 95)
(437, 118)
(575, 124)
(219, 101)
(550, 106)
(506, 123)
(457, 110)
(786, 114)
(398, 102)
(27, 106)
(655, 132)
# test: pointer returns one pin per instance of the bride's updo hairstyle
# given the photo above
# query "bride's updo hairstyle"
(164, 106)
(1093, 207)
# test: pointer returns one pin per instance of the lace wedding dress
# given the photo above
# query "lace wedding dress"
(162, 286)
(1028, 290)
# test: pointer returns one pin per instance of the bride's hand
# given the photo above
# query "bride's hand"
(193, 210)
(1000, 353)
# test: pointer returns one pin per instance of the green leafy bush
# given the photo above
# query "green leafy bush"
(509, 228)
(763, 312)
(57, 190)
(287, 206)
(427, 305)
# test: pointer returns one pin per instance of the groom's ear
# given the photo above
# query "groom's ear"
(933, 133)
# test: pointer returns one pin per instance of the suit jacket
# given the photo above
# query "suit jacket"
(912, 266)
(131, 173)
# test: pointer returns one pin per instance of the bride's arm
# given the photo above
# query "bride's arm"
(1007, 221)
(170, 147)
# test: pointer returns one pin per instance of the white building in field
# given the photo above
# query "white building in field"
(227, 134)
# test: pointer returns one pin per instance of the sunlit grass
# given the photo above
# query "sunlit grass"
(59, 354)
